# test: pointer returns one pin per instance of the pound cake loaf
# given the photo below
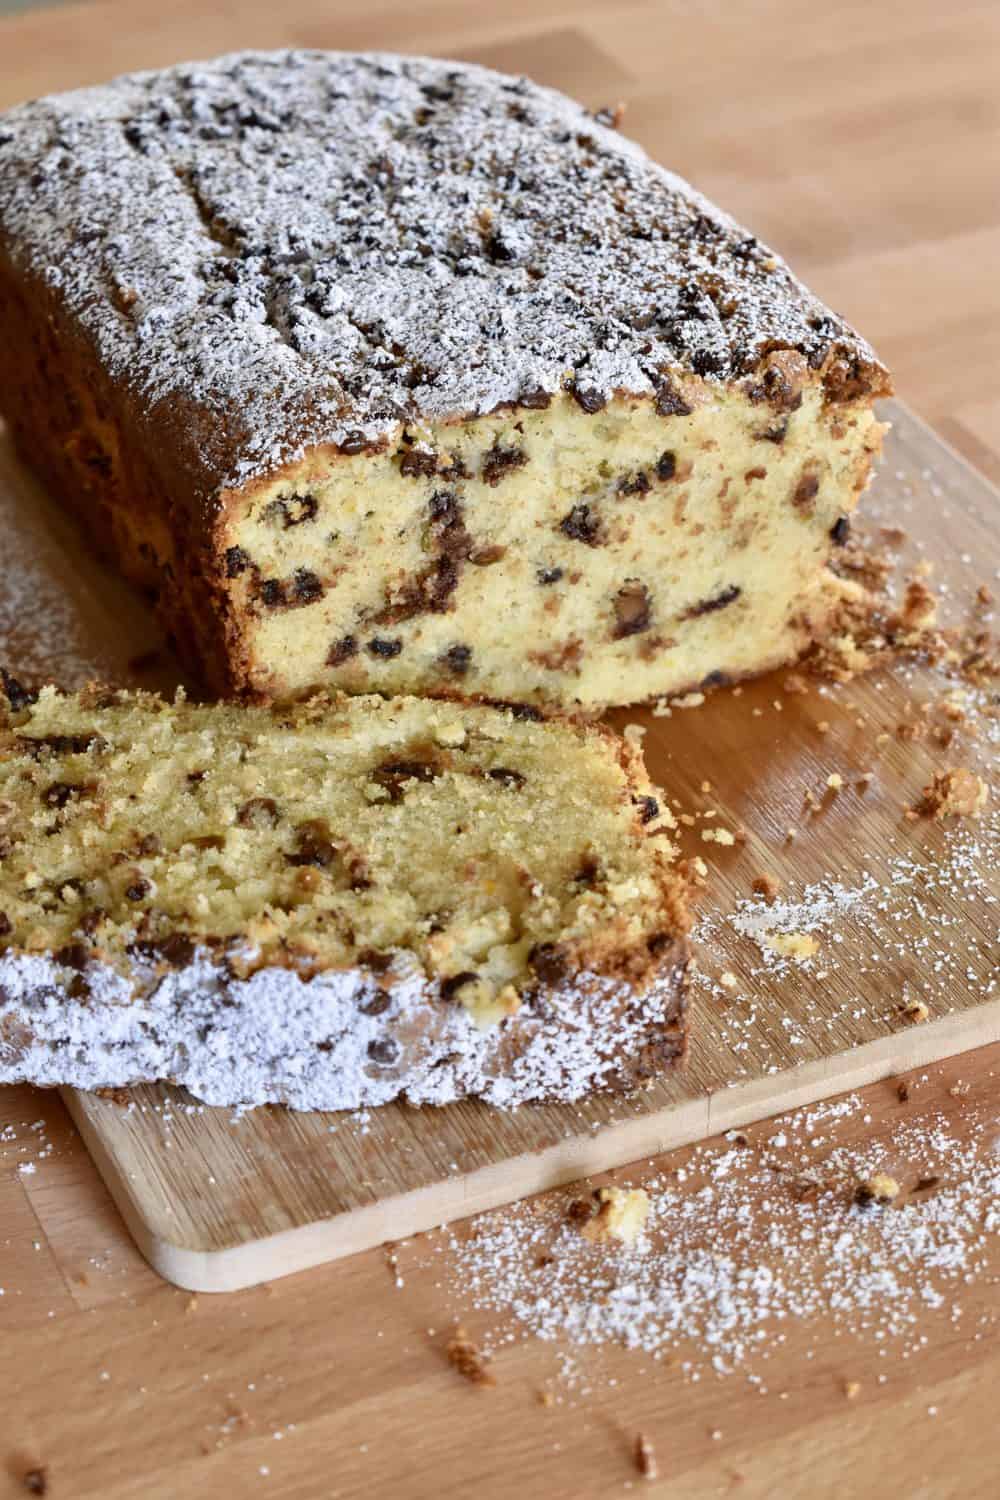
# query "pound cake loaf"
(401, 375)
(331, 904)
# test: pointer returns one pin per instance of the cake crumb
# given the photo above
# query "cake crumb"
(466, 1358)
(546, 1398)
(954, 793)
(916, 1011)
(800, 945)
(852, 1389)
(617, 1214)
(718, 836)
(728, 980)
(878, 1188)
(767, 885)
(835, 781)
(645, 1458)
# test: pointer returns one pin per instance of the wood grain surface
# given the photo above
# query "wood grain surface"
(864, 140)
(231, 1203)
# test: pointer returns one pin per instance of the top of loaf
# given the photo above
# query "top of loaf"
(289, 248)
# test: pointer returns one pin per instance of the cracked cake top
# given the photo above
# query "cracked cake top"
(280, 249)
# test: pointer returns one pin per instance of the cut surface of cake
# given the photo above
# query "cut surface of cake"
(331, 904)
(400, 375)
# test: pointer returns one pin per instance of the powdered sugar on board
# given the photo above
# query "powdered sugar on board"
(745, 1235)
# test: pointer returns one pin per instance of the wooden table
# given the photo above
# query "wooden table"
(864, 140)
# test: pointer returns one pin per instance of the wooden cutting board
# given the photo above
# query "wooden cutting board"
(900, 911)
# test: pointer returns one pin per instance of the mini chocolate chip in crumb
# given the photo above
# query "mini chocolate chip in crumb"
(237, 561)
(292, 511)
(708, 606)
(272, 593)
(634, 484)
(535, 400)
(59, 793)
(666, 465)
(138, 890)
(16, 693)
(588, 400)
(6, 926)
(314, 845)
(307, 587)
(775, 433)
(633, 607)
(582, 525)
(36, 1481)
(417, 463)
(669, 401)
(549, 575)
(457, 659)
(383, 1050)
(805, 492)
(451, 986)
(506, 777)
(840, 530)
(648, 807)
(150, 845)
(380, 646)
(353, 442)
(342, 650)
(588, 873)
(393, 774)
(176, 949)
(258, 812)
(524, 712)
(499, 462)
(548, 961)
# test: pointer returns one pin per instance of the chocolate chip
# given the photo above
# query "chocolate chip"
(657, 942)
(535, 400)
(374, 959)
(775, 433)
(237, 561)
(59, 793)
(484, 557)
(416, 463)
(379, 646)
(549, 575)
(272, 592)
(666, 465)
(648, 807)
(776, 389)
(314, 845)
(708, 606)
(805, 492)
(634, 484)
(499, 462)
(524, 712)
(195, 778)
(457, 659)
(455, 982)
(138, 890)
(36, 1481)
(590, 401)
(840, 530)
(176, 949)
(582, 525)
(73, 956)
(384, 1050)
(258, 812)
(292, 511)
(306, 586)
(506, 777)
(548, 961)
(588, 873)
(6, 926)
(342, 650)
(150, 845)
(373, 1002)
(498, 251)
(16, 694)
(714, 679)
(353, 442)
(62, 744)
(91, 920)
(633, 608)
(669, 401)
(393, 774)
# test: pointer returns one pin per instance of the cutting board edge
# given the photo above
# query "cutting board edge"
(253, 1261)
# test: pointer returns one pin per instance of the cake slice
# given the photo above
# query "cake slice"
(402, 375)
(331, 904)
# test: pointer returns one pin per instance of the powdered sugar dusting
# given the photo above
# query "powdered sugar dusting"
(749, 1234)
(308, 246)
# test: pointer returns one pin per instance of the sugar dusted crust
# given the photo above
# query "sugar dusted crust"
(279, 1038)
